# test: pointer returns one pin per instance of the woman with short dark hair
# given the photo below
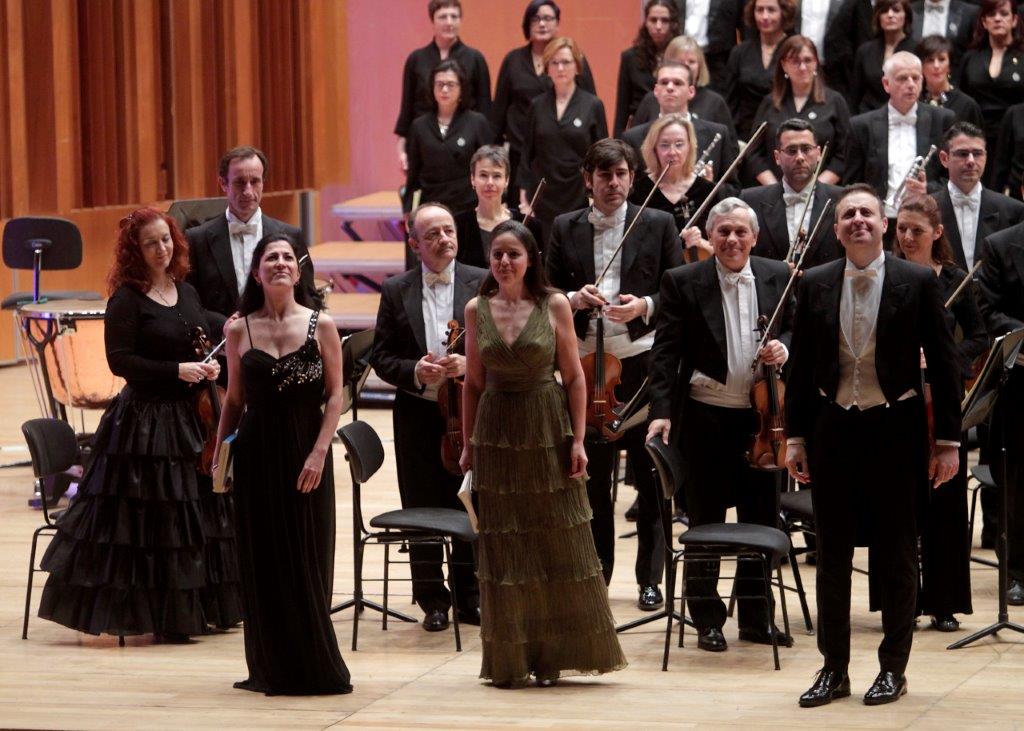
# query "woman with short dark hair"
(938, 90)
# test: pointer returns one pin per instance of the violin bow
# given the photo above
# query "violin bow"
(963, 285)
(533, 201)
(213, 352)
(810, 201)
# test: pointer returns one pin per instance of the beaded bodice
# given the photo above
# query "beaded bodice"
(296, 378)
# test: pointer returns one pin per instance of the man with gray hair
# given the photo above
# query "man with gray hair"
(700, 380)
(886, 141)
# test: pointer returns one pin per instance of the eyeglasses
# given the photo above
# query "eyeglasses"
(964, 154)
(443, 85)
(538, 19)
(794, 150)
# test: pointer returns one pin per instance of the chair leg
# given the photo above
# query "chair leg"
(670, 599)
(974, 505)
(31, 572)
(732, 599)
(782, 599)
(387, 566)
(120, 640)
(455, 596)
(800, 589)
(770, 605)
(360, 546)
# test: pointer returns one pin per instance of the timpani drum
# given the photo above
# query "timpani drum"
(64, 341)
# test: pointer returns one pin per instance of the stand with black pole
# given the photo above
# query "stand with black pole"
(977, 407)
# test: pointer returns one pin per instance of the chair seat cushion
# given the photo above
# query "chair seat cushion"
(443, 521)
(983, 474)
(798, 503)
(739, 536)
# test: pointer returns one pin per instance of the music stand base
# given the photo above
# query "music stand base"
(662, 614)
(993, 629)
(367, 604)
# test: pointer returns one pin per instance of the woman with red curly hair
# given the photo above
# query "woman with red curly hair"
(130, 555)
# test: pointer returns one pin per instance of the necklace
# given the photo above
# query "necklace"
(161, 295)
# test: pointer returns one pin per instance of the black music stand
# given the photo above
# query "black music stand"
(189, 213)
(978, 407)
(355, 357)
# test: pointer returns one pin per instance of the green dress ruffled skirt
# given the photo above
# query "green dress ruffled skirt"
(543, 600)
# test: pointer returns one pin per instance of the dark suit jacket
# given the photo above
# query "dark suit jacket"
(213, 269)
(868, 158)
(997, 212)
(773, 232)
(846, 32)
(399, 339)
(652, 247)
(725, 19)
(959, 25)
(910, 315)
(691, 328)
(721, 157)
(1001, 280)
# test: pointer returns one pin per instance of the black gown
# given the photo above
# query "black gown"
(285, 537)
(994, 96)
(747, 81)
(144, 545)
(682, 209)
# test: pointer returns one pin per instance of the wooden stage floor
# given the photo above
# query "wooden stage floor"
(407, 678)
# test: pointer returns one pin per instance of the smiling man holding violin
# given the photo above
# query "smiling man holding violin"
(620, 283)
(701, 379)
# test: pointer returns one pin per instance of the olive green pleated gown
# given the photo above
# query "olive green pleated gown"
(543, 599)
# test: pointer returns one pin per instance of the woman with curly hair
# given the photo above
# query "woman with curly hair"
(130, 555)
(636, 67)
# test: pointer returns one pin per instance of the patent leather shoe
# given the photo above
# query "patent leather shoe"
(711, 640)
(887, 688)
(764, 636)
(650, 598)
(945, 623)
(470, 616)
(435, 621)
(828, 686)
(1015, 593)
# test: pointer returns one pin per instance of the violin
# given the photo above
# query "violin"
(449, 400)
(207, 403)
(602, 372)
(767, 396)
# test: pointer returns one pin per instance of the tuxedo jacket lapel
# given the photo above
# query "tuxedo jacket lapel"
(988, 222)
(775, 221)
(464, 292)
(412, 298)
(767, 286)
(633, 243)
(951, 227)
(710, 293)
(880, 128)
(222, 256)
(583, 245)
(828, 300)
(894, 291)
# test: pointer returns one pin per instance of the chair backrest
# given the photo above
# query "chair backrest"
(669, 465)
(52, 444)
(365, 451)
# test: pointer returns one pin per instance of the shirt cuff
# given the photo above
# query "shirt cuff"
(796, 442)
(946, 443)
(650, 310)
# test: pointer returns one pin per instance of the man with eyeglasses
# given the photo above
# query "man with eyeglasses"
(970, 211)
(674, 88)
(780, 206)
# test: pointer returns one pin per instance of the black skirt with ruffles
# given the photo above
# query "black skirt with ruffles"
(145, 547)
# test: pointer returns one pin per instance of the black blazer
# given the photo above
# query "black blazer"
(773, 232)
(867, 160)
(959, 25)
(213, 270)
(1001, 280)
(1007, 168)
(439, 166)
(399, 338)
(725, 20)
(721, 157)
(866, 90)
(652, 247)
(994, 96)
(996, 213)
(691, 327)
(965, 313)
(846, 32)
(471, 244)
(633, 83)
(910, 315)
(746, 82)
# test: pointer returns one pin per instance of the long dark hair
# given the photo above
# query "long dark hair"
(646, 51)
(536, 279)
(792, 47)
(252, 298)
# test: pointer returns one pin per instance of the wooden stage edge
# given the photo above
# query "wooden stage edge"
(406, 678)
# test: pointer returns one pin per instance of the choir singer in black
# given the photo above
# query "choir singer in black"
(856, 425)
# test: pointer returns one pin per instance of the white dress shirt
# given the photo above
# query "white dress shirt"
(813, 20)
(739, 305)
(608, 231)
(902, 150)
(695, 24)
(795, 202)
(243, 243)
(936, 18)
(438, 309)
(966, 208)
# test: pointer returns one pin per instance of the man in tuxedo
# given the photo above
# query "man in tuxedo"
(856, 426)
(582, 245)
(220, 250)
(674, 88)
(701, 377)
(952, 19)
(970, 211)
(780, 206)
(409, 352)
(715, 25)
(1001, 281)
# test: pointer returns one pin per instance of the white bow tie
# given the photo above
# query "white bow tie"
(791, 199)
(241, 229)
(964, 201)
(853, 273)
(933, 7)
(734, 279)
(895, 120)
(601, 222)
(432, 278)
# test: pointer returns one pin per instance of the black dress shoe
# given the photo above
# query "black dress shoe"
(1015, 594)
(828, 686)
(711, 640)
(988, 542)
(764, 636)
(470, 616)
(650, 598)
(633, 511)
(887, 688)
(435, 621)
(945, 623)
